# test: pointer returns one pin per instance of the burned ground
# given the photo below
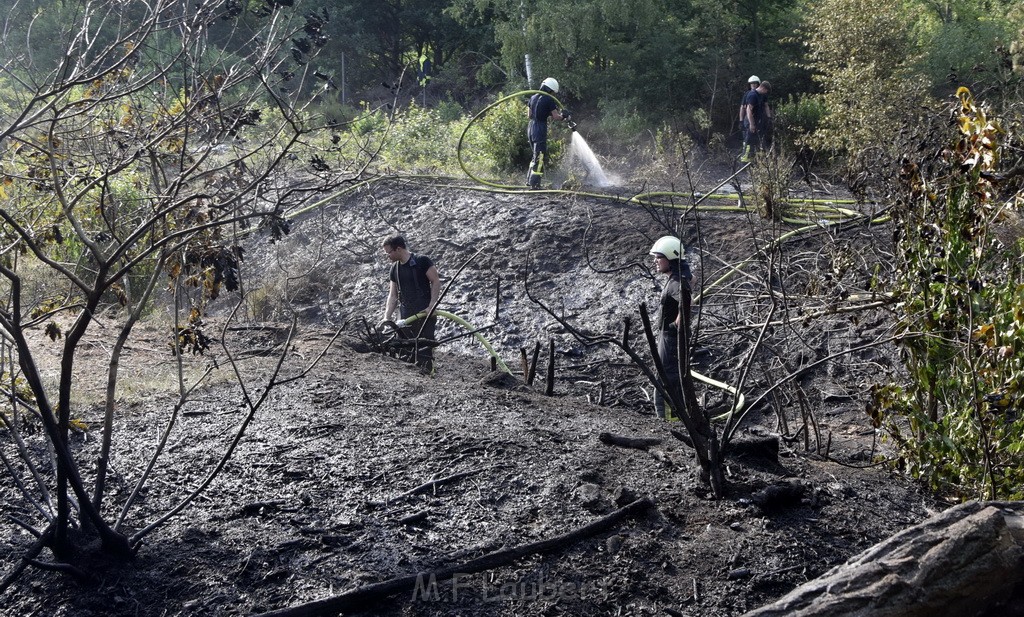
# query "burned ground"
(331, 487)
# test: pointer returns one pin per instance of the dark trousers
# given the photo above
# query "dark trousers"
(423, 330)
(669, 355)
(536, 173)
(752, 139)
(761, 140)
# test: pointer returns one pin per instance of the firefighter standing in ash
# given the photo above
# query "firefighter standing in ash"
(752, 84)
(673, 318)
(759, 116)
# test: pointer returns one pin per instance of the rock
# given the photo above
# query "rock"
(779, 496)
(623, 496)
(501, 380)
(614, 543)
(589, 494)
(968, 560)
(766, 448)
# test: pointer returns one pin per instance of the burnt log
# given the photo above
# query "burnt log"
(369, 596)
(636, 443)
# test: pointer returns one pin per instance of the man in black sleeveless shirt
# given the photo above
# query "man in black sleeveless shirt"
(414, 288)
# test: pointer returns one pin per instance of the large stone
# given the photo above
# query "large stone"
(966, 561)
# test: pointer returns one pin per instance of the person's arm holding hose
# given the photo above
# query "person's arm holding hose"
(435, 289)
(392, 302)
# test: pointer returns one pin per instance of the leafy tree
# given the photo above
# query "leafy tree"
(659, 61)
(609, 50)
(381, 39)
(964, 42)
(763, 43)
(863, 56)
(140, 156)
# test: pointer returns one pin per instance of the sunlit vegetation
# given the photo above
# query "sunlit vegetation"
(959, 422)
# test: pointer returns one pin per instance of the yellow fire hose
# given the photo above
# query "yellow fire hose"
(468, 326)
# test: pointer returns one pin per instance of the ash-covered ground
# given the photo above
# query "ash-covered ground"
(330, 489)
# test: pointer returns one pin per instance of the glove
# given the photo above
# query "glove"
(566, 114)
(400, 323)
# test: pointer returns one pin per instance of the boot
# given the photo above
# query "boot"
(745, 157)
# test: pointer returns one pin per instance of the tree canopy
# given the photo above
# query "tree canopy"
(664, 61)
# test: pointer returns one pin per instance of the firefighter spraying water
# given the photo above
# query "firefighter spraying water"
(542, 107)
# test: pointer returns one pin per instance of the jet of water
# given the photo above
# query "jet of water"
(580, 150)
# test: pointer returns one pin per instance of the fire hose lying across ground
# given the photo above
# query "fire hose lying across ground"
(391, 336)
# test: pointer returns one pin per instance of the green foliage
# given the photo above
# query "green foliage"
(658, 58)
(335, 113)
(426, 139)
(798, 117)
(369, 121)
(959, 422)
(621, 120)
(662, 59)
(420, 139)
(862, 53)
(960, 39)
(503, 140)
(414, 139)
(770, 176)
(448, 111)
(670, 144)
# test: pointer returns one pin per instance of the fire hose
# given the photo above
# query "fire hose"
(465, 325)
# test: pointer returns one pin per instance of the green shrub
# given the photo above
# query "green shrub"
(620, 121)
(369, 121)
(959, 422)
(335, 113)
(503, 139)
(499, 144)
(963, 49)
(417, 139)
(796, 117)
(448, 112)
(420, 140)
(770, 180)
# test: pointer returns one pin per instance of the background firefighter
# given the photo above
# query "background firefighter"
(541, 107)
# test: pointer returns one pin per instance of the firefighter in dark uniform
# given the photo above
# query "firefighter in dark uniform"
(673, 318)
(542, 106)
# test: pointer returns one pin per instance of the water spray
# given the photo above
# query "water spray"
(581, 150)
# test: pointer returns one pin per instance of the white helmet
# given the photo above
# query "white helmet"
(669, 246)
(754, 79)
(551, 83)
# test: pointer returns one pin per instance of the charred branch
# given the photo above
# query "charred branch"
(369, 595)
